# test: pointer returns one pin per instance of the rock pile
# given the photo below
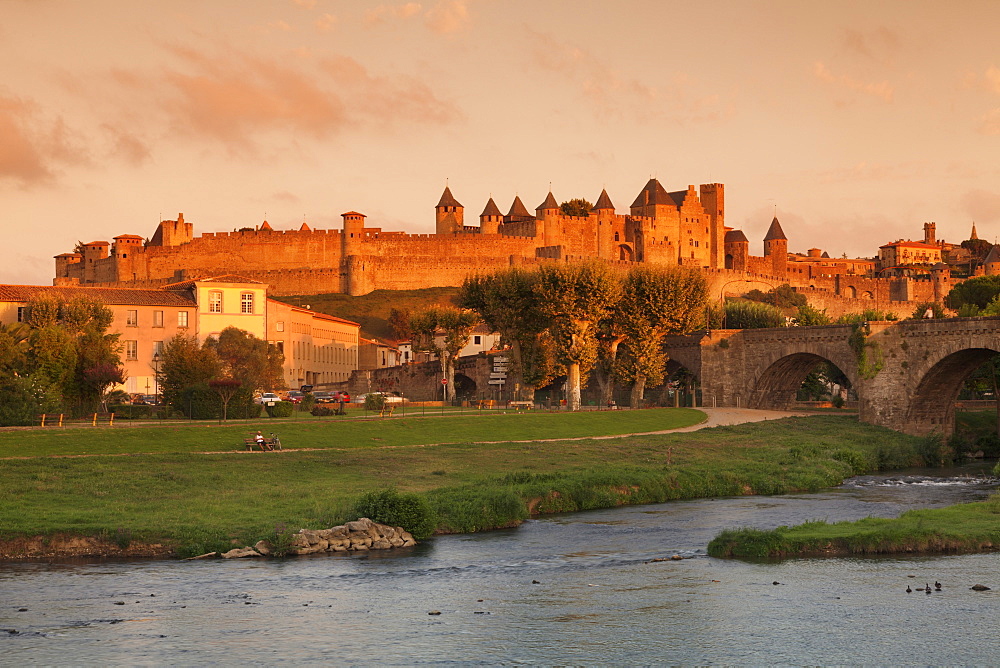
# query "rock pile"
(358, 536)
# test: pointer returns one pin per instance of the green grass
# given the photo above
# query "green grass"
(338, 433)
(371, 311)
(199, 502)
(959, 528)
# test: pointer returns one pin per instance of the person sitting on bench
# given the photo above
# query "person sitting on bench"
(259, 439)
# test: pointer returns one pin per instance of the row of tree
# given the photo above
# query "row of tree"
(59, 358)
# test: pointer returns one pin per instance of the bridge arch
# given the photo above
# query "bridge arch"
(932, 405)
(776, 386)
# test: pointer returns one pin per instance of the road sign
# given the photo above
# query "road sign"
(497, 381)
(444, 381)
(498, 375)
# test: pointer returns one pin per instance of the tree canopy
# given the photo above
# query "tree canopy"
(578, 207)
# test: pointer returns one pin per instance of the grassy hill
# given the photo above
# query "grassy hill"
(372, 310)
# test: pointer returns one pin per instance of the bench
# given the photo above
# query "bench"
(386, 410)
(60, 419)
(269, 444)
(521, 405)
(485, 403)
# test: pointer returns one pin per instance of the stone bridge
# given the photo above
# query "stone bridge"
(909, 381)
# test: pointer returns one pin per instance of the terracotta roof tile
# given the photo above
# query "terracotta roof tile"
(549, 203)
(775, 231)
(447, 199)
(491, 209)
(603, 202)
(111, 296)
(518, 210)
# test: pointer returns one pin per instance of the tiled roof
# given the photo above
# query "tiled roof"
(775, 231)
(447, 199)
(266, 226)
(734, 236)
(911, 244)
(993, 256)
(111, 296)
(653, 193)
(603, 202)
(228, 278)
(549, 203)
(518, 210)
(491, 209)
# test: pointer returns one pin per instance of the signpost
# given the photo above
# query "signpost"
(444, 390)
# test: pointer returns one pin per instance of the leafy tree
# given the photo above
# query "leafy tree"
(13, 348)
(24, 399)
(741, 314)
(868, 315)
(920, 311)
(399, 321)
(99, 379)
(252, 361)
(574, 298)
(783, 296)
(444, 331)
(226, 388)
(184, 372)
(809, 315)
(578, 207)
(978, 250)
(656, 302)
(978, 291)
(507, 301)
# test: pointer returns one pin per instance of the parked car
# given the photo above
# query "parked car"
(295, 396)
(324, 397)
(388, 398)
(267, 399)
(146, 400)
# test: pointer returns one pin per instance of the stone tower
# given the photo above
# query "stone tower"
(930, 234)
(604, 210)
(973, 235)
(737, 249)
(172, 232)
(548, 213)
(776, 247)
(351, 265)
(449, 214)
(490, 219)
(713, 200)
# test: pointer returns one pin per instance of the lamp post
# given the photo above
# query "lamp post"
(156, 376)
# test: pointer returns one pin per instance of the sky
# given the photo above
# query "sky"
(853, 122)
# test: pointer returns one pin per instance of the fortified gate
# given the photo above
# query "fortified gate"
(907, 374)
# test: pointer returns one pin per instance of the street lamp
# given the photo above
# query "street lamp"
(156, 375)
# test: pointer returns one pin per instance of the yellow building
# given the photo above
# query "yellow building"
(901, 253)
(319, 349)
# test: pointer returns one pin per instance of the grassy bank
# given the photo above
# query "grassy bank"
(960, 528)
(203, 502)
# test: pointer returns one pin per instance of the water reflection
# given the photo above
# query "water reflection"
(577, 588)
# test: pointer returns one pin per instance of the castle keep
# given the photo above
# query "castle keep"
(684, 227)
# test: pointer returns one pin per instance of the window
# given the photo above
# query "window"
(477, 340)
(246, 302)
(131, 318)
(131, 350)
(158, 347)
(279, 326)
(280, 345)
(157, 318)
(182, 318)
(20, 314)
(215, 302)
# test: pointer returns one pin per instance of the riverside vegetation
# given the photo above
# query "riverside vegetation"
(455, 473)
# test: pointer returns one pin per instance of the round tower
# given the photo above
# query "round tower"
(490, 219)
(605, 212)
(776, 247)
(354, 232)
(449, 214)
(737, 250)
(941, 278)
(548, 213)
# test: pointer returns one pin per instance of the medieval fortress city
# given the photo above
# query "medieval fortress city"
(684, 227)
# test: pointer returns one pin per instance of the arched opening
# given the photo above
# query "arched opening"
(932, 407)
(465, 387)
(625, 253)
(801, 377)
(867, 295)
(729, 261)
(852, 292)
(977, 418)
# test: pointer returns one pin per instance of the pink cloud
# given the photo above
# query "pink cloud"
(876, 44)
(305, 4)
(989, 123)
(31, 147)
(236, 98)
(126, 145)
(881, 90)
(614, 96)
(384, 13)
(325, 23)
(448, 16)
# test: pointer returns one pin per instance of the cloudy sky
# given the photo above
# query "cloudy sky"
(855, 121)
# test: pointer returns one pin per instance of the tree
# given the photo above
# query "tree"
(741, 314)
(252, 361)
(937, 311)
(226, 388)
(809, 315)
(575, 298)
(978, 291)
(99, 379)
(783, 296)
(656, 302)
(507, 301)
(578, 207)
(444, 331)
(399, 321)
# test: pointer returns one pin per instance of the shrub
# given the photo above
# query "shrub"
(410, 511)
(321, 411)
(281, 409)
(375, 402)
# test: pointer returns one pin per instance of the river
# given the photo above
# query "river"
(567, 589)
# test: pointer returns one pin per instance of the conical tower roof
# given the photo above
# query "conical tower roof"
(973, 235)
(775, 231)
(549, 203)
(735, 236)
(305, 227)
(603, 202)
(491, 209)
(447, 199)
(993, 257)
(518, 210)
(653, 193)
(265, 226)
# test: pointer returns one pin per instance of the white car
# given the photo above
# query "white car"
(267, 399)
(388, 398)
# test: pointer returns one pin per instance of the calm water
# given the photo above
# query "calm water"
(597, 600)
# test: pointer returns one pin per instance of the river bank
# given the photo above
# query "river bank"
(182, 504)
